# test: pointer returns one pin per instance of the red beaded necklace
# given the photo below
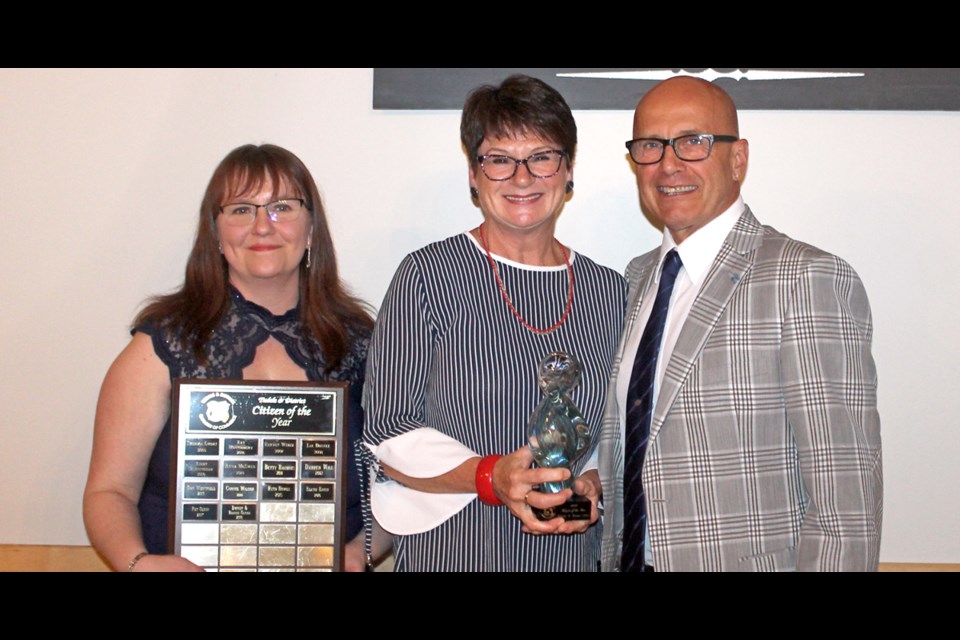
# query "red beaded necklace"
(503, 291)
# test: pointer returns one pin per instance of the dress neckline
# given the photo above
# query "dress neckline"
(268, 316)
(519, 265)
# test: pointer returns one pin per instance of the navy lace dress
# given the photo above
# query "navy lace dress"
(230, 349)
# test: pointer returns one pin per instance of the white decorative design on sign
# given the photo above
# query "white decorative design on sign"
(712, 75)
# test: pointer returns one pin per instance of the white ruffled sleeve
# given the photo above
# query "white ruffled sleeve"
(423, 453)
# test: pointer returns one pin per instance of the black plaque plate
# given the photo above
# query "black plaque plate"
(285, 447)
(200, 491)
(318, 449)
(318, 469)
(202, 447)
(242, 446)
(279, 491)
(239, 491)
(576, 508)
(256, 473)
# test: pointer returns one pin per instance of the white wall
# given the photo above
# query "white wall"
(103, 171)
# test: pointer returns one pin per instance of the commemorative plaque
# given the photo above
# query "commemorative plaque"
(257, 475)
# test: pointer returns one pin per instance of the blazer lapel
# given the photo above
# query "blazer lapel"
(644, 279)
(729, 270)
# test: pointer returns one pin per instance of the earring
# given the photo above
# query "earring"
(220, 247)
(569, 186)
(474, 193)
(308, 257)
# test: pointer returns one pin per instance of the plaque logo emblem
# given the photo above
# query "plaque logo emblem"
(216, 411)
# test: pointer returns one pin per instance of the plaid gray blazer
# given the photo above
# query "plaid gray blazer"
(764, 449)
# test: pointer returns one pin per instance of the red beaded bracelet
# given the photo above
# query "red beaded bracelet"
(484, 481)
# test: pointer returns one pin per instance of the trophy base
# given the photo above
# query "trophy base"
(576, 508)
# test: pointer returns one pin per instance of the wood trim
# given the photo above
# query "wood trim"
(918, 567)
(30, 557)
(33, 557)
(57, 558)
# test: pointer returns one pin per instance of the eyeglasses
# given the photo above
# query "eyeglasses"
(543, 164)
(692, 148)
(241, 214)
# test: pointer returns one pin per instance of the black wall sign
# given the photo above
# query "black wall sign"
(876, 89)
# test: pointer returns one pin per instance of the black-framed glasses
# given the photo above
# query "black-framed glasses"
(240, 214)
(690, 148)
(543, 164)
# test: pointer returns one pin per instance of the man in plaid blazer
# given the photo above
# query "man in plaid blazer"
(764, 444)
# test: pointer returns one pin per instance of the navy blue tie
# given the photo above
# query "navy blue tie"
(639, 415)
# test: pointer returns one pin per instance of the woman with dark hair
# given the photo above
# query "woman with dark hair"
(452, 369)
(261, 300)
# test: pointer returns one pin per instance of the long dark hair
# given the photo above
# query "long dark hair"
(329, 313)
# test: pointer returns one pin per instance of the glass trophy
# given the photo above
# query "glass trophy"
(557, 433)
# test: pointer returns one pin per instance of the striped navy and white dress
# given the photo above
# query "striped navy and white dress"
(448, 355)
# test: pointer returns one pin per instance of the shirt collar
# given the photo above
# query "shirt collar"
(700, 249)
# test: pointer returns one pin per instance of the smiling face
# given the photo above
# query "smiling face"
(685, 196)
(264, 252)
(523, 203)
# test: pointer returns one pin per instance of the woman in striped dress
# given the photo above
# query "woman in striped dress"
(452, 368)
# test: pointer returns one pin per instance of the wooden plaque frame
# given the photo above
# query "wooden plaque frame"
(257, 477)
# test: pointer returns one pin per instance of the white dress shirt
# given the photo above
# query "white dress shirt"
(697, 254)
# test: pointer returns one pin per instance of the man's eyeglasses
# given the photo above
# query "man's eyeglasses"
(544, 164)
(241, 214)
(691, 148)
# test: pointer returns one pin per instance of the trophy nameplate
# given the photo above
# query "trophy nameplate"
(258, 478)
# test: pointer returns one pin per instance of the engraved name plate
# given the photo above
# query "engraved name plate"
(258, 475)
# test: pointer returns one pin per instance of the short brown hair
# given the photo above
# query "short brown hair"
(519, 105)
